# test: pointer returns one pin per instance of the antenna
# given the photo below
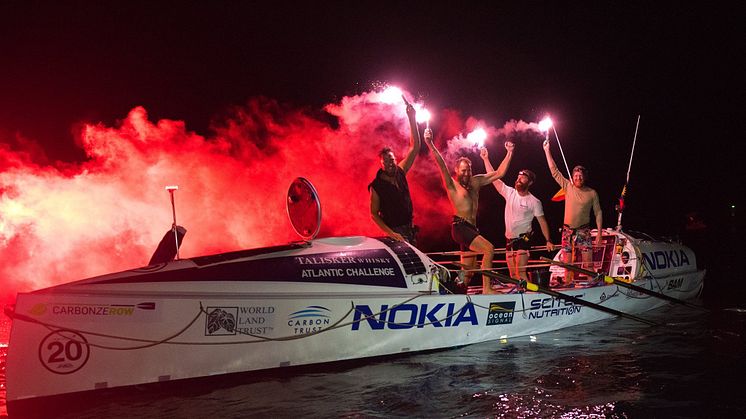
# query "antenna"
(620, 206)
(171, 189)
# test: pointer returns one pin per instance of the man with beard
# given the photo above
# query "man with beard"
(463, 192)
(579, 200)
(390, 201)
(521, 206)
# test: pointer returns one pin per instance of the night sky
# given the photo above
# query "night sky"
(593, 66)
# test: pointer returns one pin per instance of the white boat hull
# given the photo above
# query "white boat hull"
(105, 333)
(58, 364)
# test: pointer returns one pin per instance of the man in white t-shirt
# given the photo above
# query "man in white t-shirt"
(520, 209)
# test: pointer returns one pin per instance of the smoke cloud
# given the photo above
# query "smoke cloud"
(66, 221)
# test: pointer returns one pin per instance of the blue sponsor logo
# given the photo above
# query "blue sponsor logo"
(407, 316)
(665, 260)
(309, 320)
(552, 307)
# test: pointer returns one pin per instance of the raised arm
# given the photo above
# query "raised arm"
(553, 166)
(447, 179)
(414, 139)
(484, 154)
(493, 175)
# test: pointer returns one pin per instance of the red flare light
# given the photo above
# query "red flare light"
(545, 124)
(423, 115)
(390, 95)
(477, 137)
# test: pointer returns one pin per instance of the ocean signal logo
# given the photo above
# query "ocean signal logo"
(666, 260)
(552, 307)
(500, 313)
(407, 316)
(221, 321)
(309, 320)
(74, 309)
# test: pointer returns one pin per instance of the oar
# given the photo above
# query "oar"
(611, 280)
(533, 287)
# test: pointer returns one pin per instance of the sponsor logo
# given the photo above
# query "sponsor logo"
(675, 283)
(245, 320)
(551, 307)
(221, 321)
(407, 316)
(500, 313)
(76, 309)
(348, 272)
(373, 267)
(64, 352)
(665, 260)
(309, 320)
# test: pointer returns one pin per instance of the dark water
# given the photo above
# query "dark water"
(611, 369)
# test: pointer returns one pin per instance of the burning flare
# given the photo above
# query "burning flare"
(545, 124)
(477, 137)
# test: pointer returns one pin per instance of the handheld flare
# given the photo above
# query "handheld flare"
(477, 137)
(544, 126)
(391, 95)
(423, 115)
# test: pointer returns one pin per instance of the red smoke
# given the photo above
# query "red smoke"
(68, 221)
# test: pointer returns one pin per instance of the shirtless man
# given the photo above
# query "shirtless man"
(463, 192)
(579, 200)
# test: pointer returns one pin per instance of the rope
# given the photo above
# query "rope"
(167, 340)
(58, 329)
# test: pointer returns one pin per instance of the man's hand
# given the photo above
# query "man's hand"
(509, 146)
(550, 246)
(599, 238)
(410, 111)
(483, 153)
(546, 145)
(429, 136)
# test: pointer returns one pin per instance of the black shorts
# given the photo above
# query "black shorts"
(463, 232)
(520, 243)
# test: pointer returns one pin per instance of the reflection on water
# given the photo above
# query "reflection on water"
(611, 369)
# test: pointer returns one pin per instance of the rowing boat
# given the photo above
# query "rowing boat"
(315, 301)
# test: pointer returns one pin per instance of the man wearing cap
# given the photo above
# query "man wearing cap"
(579, 201)
(390, 201)
(520, 209)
